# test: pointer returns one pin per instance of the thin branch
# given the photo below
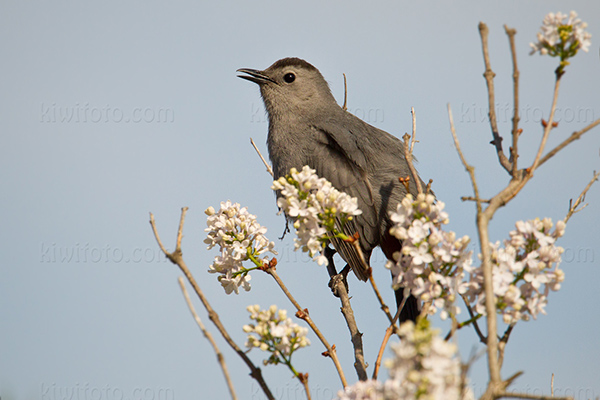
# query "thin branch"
(386, 338)
(574, 136)
(470, 169)
(471, 198)
(508, 395)
(303, 314)
(393, 328)
(269, 169)
(384, 306)
(514, 152)
(409, 160)
(414, 130)
(482, 221)
(502, 343)
(472, 316)
(355, 334)
(209, 337)
(574, 208)
(304, 379)
(345, 107)
(489, 79)
(547, 129)
(176, 258)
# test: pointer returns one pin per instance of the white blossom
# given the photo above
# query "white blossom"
(315, 207)
(432, 261)
(524, 271)
(274, 332)
(239, 237)
(424, 366)
(562, 35)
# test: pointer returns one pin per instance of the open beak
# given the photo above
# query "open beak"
(255, 76)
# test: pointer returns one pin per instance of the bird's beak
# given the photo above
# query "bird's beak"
(255, 76)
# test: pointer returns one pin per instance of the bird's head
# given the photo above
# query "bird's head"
(291, 86)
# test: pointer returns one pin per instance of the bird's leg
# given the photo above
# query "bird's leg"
(328, 252)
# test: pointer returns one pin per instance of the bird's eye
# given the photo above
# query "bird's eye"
(289, 77)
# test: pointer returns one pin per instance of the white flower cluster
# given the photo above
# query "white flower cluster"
(240, 238)
(425, 366)
(274, 332)
(314, 205)
(432, 262)
(524, 271)
(561, 34)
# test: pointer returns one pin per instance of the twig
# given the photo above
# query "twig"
(210, 338)
(514, 152)
(489, 79)
(508, 395)
(303, 314)
(269, 169)
(574, 136)
(176, 258)
(547, 129)
(470, 169)
(393, 328)
(304, 379)
(386, 338)
(502, 343)
(471, 198)
(355, 334)
(345, 107)
(482, 221)
(409, 158)
(338, 287)
(414, 130)
(552, 385)
(384, 306)
(573, 208)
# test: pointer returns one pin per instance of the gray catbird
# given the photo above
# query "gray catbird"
(308, 127)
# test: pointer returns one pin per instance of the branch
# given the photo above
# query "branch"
(303, 314)
(489, 79)
(269, 169)
(471, 198)
(503, 341)
(574, 136)
(573, 208)
(508, 395)
(384, 306)
(345, 93)
(386, 338)
(547, 129)
(176, 258)
(210, 338)
(356, 336)
(414, 129)
(409, 157)
(470, 169)
(514, 152)
(490, 306)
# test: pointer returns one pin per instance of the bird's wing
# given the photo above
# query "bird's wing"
(337, 158)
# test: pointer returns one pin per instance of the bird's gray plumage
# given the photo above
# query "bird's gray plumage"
(308, 127)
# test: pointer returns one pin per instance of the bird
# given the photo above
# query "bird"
(308, 127)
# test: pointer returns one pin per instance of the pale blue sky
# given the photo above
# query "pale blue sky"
(110, 110)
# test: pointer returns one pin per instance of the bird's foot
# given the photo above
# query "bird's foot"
(338, 279)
